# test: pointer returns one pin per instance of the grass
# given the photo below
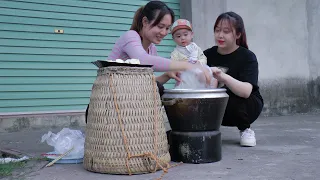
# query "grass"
(12, 168)
(7, 169)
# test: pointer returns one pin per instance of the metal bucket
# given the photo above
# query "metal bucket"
(195, 110)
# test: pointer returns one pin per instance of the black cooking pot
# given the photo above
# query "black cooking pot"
(195, 110)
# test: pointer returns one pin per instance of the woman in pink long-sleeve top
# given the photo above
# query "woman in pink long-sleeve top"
(150, 25)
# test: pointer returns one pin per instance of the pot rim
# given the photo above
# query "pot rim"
(217, 90)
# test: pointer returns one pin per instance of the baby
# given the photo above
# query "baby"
(186, 50)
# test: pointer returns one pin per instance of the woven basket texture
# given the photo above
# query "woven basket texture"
(131, 90)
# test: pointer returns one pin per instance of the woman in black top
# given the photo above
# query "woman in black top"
(241, 79)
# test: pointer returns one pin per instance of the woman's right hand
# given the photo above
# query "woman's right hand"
(174, 75)
(183, 66)
(206, 71)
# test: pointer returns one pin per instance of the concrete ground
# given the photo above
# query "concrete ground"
(288, 148)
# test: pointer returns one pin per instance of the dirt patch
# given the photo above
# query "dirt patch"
(8, 168)
(18, 170)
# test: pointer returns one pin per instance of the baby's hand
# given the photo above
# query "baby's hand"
(193, 61)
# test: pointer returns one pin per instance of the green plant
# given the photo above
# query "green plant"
(7, 169)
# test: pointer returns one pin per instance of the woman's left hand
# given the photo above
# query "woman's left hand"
(239, 88)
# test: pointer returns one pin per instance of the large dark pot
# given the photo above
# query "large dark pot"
(195, 117)
(195, 110)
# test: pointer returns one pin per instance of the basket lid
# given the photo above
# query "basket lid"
(101, 64)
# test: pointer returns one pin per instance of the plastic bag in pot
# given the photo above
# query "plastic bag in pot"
(195, 79)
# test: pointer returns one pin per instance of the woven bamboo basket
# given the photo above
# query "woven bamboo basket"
(125, 133)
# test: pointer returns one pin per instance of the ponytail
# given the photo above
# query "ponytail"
(137, 20)
(242, 41)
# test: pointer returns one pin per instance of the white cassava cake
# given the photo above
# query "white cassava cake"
(128, 61)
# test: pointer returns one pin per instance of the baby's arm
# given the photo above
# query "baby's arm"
(177, 56)
(174, 55)
(201, 57)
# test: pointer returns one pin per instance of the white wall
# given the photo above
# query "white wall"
(285, 36)
(277, 33)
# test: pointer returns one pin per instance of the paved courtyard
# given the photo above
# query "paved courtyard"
(288, 148)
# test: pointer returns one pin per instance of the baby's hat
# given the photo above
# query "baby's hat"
(180, 24)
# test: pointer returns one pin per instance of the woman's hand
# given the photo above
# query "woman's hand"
(206, 72)
(174, 75)
(239, 88)
(184, 66)
(218, 74)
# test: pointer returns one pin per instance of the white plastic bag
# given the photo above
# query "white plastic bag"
(65, 140)
(12, 160)
(195, 79)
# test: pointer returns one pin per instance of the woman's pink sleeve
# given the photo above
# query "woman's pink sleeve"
(132, 46)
